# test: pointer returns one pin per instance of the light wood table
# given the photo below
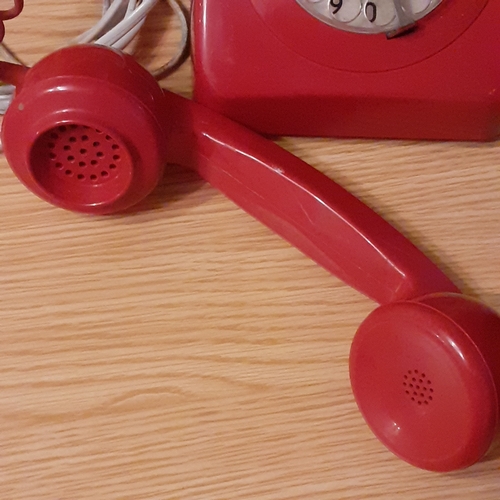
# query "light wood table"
(185, 351)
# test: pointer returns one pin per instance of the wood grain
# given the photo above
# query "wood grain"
(185, 352)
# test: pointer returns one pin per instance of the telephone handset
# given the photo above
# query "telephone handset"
(404, 69)
(424, 366)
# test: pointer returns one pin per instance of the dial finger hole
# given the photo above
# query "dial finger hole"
(344, 11)
(379, 12)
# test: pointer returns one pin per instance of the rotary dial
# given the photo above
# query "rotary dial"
(370, 16)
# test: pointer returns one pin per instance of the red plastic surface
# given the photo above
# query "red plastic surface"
(87, 100)
(422, 383)
(90, 130)
(279, 71)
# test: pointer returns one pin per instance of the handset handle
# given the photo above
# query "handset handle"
(302, 205)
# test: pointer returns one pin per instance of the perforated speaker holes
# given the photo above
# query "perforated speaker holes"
(81, 153)
(418, 388)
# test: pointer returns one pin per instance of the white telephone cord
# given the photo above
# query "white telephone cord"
(120, 22)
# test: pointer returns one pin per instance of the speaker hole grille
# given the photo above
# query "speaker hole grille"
(418, 387)
(97, 155)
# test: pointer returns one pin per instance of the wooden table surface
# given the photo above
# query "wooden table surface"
(185, 351)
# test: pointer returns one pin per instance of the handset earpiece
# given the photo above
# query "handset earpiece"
(82, 131)
(90, 130)
(426, 377)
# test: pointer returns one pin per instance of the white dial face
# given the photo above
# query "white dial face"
(369, 16)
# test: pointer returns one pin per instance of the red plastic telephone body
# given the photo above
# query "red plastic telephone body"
(270, 65)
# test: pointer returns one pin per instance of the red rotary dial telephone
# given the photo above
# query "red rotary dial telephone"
(90, 130)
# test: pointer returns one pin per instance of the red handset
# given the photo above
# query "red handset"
(90, 130)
